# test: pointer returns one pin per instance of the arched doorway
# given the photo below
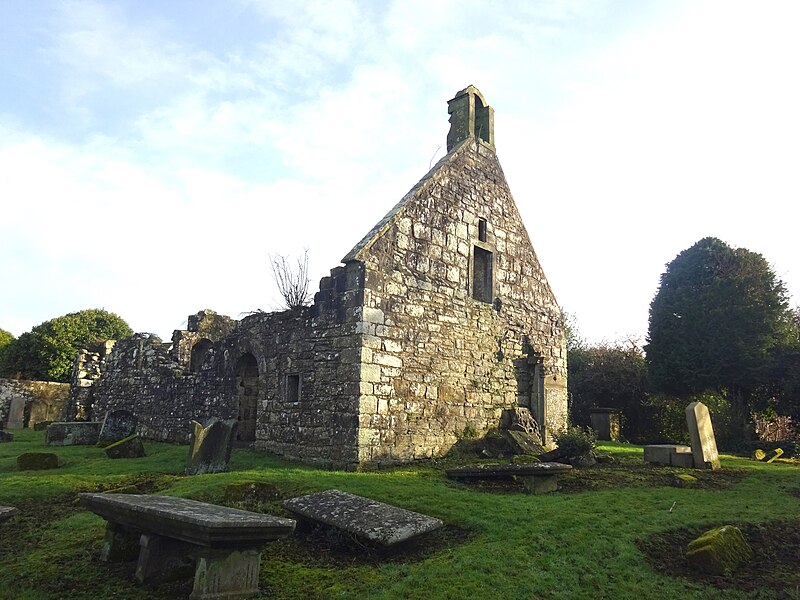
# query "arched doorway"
(247, 388)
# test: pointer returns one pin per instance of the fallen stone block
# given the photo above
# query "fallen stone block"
(718, 551)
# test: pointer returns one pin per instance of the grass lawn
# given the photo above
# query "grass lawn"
(613, 531)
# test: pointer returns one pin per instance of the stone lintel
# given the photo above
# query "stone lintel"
(362, 517)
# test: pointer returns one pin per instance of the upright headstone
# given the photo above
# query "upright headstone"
(117, 425)
(16, 413)
(701, 434)
(210, 446)
(606, 422)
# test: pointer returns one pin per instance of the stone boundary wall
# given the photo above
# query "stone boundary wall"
(43, 400)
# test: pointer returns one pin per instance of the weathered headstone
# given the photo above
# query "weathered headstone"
(778, 452)
(718, 551)
(73, 433)
(37, 461)
(701, 434)
(16, 413)
(5, 436)
(365, 518)
(210, 446)
(117, 425)
(129, 447)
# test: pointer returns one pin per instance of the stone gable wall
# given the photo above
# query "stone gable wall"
(437, 363)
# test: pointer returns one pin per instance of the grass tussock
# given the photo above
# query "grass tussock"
(617, 530)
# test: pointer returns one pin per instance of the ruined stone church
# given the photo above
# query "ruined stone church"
(438, 320)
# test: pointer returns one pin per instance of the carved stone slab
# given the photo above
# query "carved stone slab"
(6, 512)
(210, 446)
(669, 454)
(363, 517)
(189, 520)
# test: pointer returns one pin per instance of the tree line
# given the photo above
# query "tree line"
(720, 330)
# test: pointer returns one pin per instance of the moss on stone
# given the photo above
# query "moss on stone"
(37, 461)
(684, 480)
(719, 551)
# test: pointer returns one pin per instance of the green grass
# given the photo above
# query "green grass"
(499, 545)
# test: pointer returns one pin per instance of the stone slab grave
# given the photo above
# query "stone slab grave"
(210, 446)
(670, 455)
(73, 433)
(173, 535)
(361, 517)
(539, 478)
(6, 512)
(117, 425)
(701, 434)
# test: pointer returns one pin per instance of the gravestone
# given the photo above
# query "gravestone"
(210, 446)
(364, 518)
(129, 447)
(117, 425)
(701, 434)
(718, 551)
(6, 436)
(73, 433)
(606, 422)
(16, 413)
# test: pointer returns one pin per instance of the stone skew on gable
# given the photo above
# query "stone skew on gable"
(421, 270)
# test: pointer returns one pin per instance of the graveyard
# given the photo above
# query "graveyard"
(620, 526)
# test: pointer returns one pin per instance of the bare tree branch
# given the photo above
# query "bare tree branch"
(292, 280)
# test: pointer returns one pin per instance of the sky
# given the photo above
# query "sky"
(154, 155)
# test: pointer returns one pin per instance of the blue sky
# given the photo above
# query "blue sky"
(153, 154)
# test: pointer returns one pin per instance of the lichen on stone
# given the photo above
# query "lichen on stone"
(719, 551)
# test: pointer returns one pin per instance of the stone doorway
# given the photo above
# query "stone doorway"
(529, 373)
(247, 388)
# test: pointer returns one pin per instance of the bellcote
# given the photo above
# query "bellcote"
(470, 117)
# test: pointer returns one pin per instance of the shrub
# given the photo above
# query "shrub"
(575, 441)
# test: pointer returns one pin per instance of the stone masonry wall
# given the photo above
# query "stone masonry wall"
(43, 400)
(436, 363)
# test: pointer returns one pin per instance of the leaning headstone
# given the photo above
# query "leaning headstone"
(718, 551)
(130, 447)
(701, 434)
(37, 461)
(6, 512)
(117, 425)
(6, 436)
(210, 446)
